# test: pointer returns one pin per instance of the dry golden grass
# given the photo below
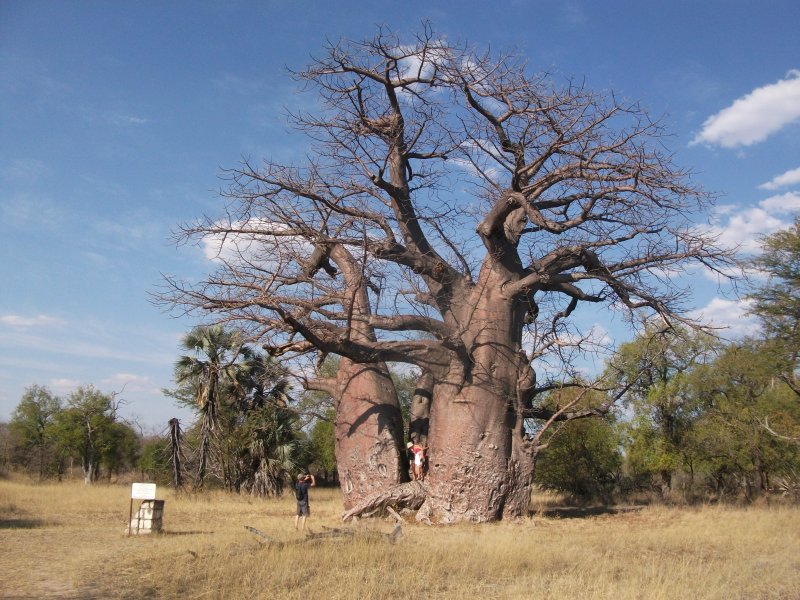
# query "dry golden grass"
(67, 541)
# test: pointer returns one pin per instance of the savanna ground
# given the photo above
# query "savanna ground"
(68, 541)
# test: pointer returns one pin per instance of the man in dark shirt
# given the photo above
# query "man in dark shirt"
(301, 494)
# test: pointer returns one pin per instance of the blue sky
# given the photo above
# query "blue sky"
(116, 118)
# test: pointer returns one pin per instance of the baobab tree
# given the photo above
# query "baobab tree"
(477, 206)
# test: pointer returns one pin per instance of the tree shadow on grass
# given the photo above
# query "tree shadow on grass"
(22, 523)
(581, 512)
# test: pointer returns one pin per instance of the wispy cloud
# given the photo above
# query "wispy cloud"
(24, 210)
(573, 14)
(51, 337)
(24, 169)
(131, 230)
(121, 119)
(128, 382)
(236, 84)
(63, 385)
(755, 116)
(22, 322)
(791, 177)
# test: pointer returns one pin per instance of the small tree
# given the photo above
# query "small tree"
(86, 428)
(583, 460)
(741, 388)
(656, 366)
(154, 459)
(31, 427)
(322, 446)
(247, 433)
(777, 302)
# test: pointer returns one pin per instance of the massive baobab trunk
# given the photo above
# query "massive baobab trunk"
(369, 432)
(475, 466)
(368, 427)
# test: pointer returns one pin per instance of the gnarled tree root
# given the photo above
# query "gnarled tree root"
(406, 495)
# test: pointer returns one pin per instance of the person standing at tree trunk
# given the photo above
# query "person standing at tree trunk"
(301, 494)
(418, 464)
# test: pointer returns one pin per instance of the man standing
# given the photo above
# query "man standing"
(301, 493)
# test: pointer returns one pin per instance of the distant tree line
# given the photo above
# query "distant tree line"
(48, 435)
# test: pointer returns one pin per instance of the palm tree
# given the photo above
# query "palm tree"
(212, 372)
(267, 446)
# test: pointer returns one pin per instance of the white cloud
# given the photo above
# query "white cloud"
(785, 179)
(730, 315)
(755, 116)
(248, 240)
(20, 322)
(25, 210)
(744, 228)
(782, 204)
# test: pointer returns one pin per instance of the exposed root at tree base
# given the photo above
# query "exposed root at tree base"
(409, 495)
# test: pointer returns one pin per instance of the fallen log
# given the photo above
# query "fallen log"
(330, 534)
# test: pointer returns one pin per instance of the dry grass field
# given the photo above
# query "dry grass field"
(68, 541)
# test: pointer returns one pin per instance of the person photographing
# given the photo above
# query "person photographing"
(304, 481)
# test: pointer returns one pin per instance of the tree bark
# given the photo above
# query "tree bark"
(419, 422)
(369, 432)
(477, 470)
(369, 425)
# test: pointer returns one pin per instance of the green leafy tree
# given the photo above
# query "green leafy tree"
(122, 453)
(583, 459)
(154, 459)
(322, 446)
(5, 449)
(87, 429)
(741, 388)
(405, 382)
(580, 456)
(31, 428)
(655, 367)
(777, 302)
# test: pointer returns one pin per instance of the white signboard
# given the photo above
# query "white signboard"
(143, 491)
